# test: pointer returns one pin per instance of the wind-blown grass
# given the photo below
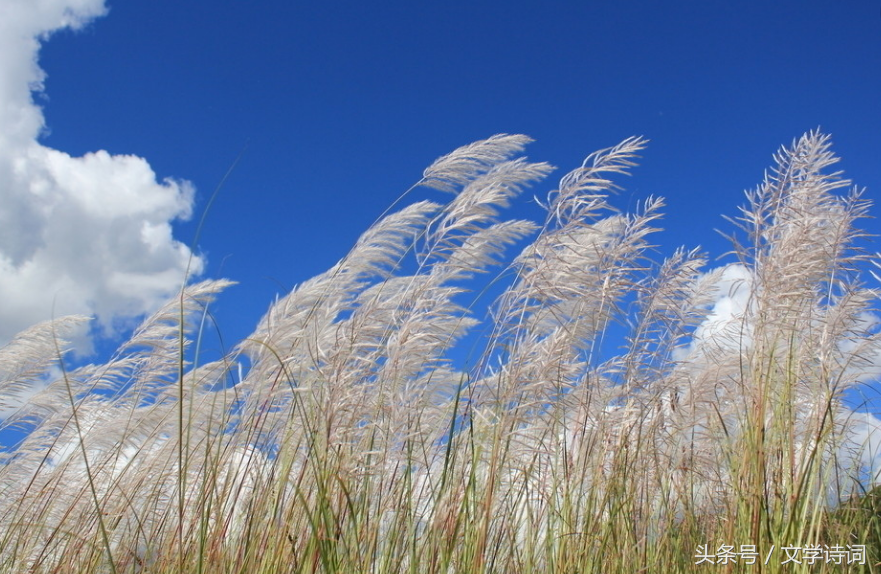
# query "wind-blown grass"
(345, 435)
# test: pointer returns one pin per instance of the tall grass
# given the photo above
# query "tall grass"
(619, 414)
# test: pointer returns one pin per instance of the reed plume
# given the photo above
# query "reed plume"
(618, 410)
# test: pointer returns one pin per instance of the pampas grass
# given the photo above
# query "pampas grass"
(346, 434)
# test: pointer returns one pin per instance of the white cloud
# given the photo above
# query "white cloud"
(727, 329)
(724, 329)
(88, 235)
(724, 324)
(863, 445)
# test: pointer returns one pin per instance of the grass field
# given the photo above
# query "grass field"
(620, 414)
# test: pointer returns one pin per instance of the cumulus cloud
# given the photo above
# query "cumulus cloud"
(724, 324)
(723, 329)
(727, 329)
(88, 235)
(864, 444)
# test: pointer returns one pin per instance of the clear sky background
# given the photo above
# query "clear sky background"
(340, 105)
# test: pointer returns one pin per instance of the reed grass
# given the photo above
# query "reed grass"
(620, 414)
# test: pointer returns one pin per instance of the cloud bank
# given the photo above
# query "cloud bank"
(88, 235)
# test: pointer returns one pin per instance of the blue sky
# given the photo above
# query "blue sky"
(339, 106)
